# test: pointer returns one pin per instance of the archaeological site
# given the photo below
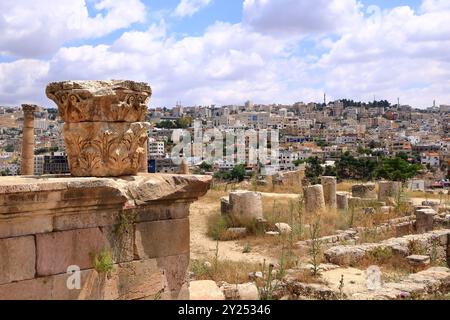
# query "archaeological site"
(113, 229)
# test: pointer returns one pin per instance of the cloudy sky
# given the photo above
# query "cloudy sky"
(228, 51)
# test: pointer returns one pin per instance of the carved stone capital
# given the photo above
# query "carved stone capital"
(97, 101)
(105, 149)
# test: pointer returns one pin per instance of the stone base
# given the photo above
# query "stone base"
(139, 223)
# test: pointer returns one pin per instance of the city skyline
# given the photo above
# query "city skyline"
(203, 52)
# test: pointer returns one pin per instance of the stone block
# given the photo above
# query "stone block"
(127, 281)
(367, 190)
(176, 272)
(25, 225)
(58, 250)
(205, 290)
(17, 259)
(161, 238)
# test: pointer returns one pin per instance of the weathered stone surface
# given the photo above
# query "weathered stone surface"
(205, 290)
(314, 199)
(127, 281)
(351, 255)
(17, 259)
(25, 225)
(419, 260)
(424, 220)
(291, 178)
(105, 149)
(162, 211)
(367, 191)
(161, 238)
(225, 207)
(92, 101)
(237, 233)
(329, 190)
(283, 228)
(246, 204)
(58, 250)
(248, 291)
(176, 273)
(414, 286)
(312, 290)
(342, 200)
(389, 189)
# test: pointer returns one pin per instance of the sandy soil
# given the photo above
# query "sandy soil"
(202, 246)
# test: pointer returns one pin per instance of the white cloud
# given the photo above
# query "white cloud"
(301, 17)
(37, 28)
(402, 54)
(434, 5)
(190, 7)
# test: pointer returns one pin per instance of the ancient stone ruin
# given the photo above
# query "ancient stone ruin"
(104, 130)
(243, 204)
(102, 235)
(27, 164)
(314, 199)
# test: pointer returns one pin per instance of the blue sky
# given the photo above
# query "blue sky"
(228, 51)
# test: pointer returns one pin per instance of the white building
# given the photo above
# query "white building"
(41, 124)
(156, 149)
(430, 158)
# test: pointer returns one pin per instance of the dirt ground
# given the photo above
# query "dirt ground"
(202, 246)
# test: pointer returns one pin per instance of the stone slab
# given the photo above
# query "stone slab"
(161, 238)
(17, 259)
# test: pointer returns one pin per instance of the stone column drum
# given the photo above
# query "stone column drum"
(329, 190)
(314, 199)
(27, 163)
(342, 200)
(246, 204)
(104, 131)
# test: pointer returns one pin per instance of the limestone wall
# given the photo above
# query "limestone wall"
(138, 227)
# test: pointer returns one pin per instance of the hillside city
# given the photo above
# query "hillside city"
(327, 132)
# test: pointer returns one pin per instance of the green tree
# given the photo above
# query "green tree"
(397, 169)
(205, 166)
(238, 173)
(9, 148)
(313, 170)
(184, 122)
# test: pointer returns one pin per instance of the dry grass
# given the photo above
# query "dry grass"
(305, 276)
(388, 262)
(345, 186)
(228, 271)
(420, 194)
